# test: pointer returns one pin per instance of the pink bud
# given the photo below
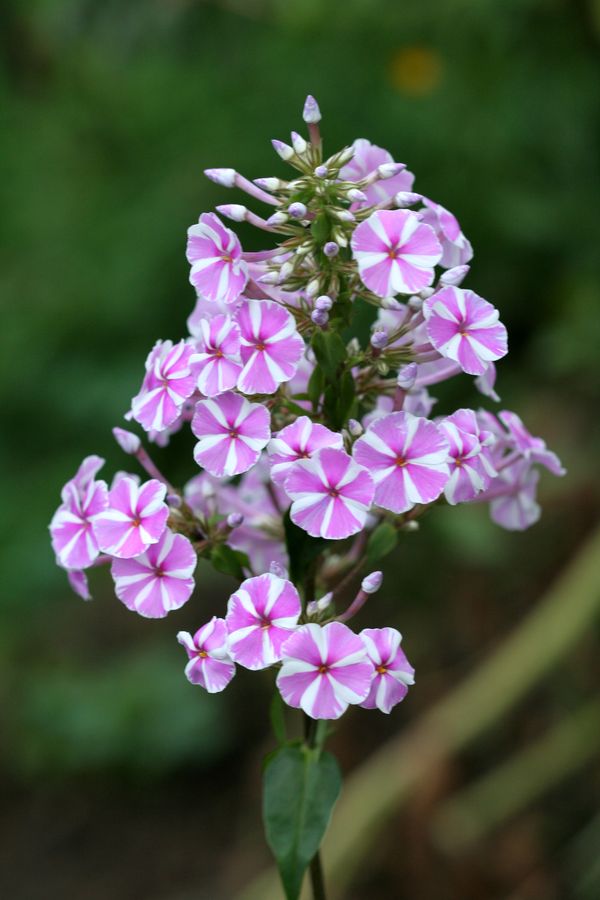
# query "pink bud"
(379, 340)
(320, 317)
(331, 249)
(388, 170)
(355, 428)
(234, 211)
(278, 218)
(407, 376)
(372, 582)
(283, 150)
(297, 210)
(321, 171)
(224, 177)
(324, 302)
(356, 196)
(299, 144)
(277, 569)
(406, 198)
(127, 440)
(455, 275)
(311, 112)
(234, 520)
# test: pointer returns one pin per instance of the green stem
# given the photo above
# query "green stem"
(315, 733)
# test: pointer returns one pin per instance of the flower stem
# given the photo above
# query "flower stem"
(314, 736)
(316, 878)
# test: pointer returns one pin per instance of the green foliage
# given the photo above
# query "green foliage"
(229, 561)
(302, 549)
(381, 542)
(299, 791)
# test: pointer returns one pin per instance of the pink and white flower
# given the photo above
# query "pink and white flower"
(393, 672)
(210, 664)
(71, 528)
(464, 327)
(261, 614)
(170, 379)
(300, 440)
(271, 347)
(324, 670)
(218, 271)
(231, 431)
(512, 496)
(218, 361)
(158, 580)
(456, 248)
(532, 448)
(407, 457)
(395, 252)
(135, 518)
(470, 462)
(367, 157)
(331, 495)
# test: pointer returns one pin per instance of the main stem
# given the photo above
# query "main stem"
(315, 870)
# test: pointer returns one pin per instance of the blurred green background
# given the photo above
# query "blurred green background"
(118, 778)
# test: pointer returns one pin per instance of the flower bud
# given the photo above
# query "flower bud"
(344, 156)
(379, 340)
(355, 195)
(426, 293)
(390, 303)
(174, 501)
(127, 440)
(321, 171)
(355, 428)
(311, 112)
(320, 317)
(388, 170)
(270, 184)
(331, 249)
(415, 302)
(299, 144)
(353, 346)
(455, 275)
(407, 376)
(411, 525)
(286, 269)
(344, 215)
(324, 302)
(278, 218)
(283, 150)
(234, 211)
(224, 177)
(313, 286)
(277, 569)
(319, 606)
(297, 210)
(269, 278)
(406, 198)
(234, 520)
(372, 582)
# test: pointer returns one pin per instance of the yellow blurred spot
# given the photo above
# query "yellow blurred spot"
(415, 70)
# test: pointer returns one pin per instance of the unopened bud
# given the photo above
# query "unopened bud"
(344, 156)
(388, 170)
(311, 112)
(283, 150)
(455, 275)
(313, 286)
(411, 525)
(355, 428)
(407, 376)
(331, 249)
(297, 210)
(234, 211)
(319, 606)
(379, 340)
(174, 501)
(390, 303)
(356, 196)
(344, 215)
(234, 520)
(415, 302)
(320, 317)
(270, 184)
(277, 569)
(323, 302)
(353, 346)
(269, 278)
(299, 144)
(286, 269)
(406, 198)
(426, 293)
(278, 218)
(372, 582)
(321, 171)
(127, 440)
(224, 177)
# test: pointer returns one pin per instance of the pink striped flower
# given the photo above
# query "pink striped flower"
(71, 528)
(407, 457)
(218, 271)
(170, 379)
(456, 248)
(464, 327)
(210, 664)
(135, 518)
(393, 672)
(396, 254)
(532, 448)
(300, 440)
(470, 461)
(260, 616)
(512, 497)
(218, 362)
(367, 157)
(158, 580)
(271, 348)
(231, 431)
(324, 670)
(331, 494)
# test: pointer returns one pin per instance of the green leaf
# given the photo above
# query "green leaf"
(321, 228)
(300, 787)
(345, 402)
(330, 352)
(302, 549)
(381, 542)
(316, 384)
(229, 561)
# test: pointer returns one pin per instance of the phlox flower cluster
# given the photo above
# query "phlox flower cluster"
(306, 442)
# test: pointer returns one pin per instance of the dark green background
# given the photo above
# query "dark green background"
(109, 111)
